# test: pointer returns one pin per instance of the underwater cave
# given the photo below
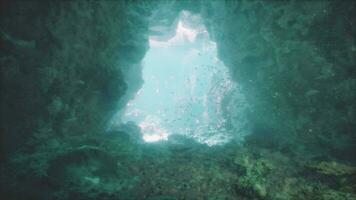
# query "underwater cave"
(184, 85)
(178, 99)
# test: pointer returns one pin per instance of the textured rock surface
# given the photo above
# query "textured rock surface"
(296, 64)
(68, 66)
(63, 63)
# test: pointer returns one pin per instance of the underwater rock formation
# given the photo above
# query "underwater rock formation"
(68, 66)
(62, 65)
(295, 63)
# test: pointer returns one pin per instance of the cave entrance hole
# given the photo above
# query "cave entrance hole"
(183, 89)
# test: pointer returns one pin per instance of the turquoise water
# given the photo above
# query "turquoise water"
(184, 85)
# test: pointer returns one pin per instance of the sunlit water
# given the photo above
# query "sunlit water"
(184, 85)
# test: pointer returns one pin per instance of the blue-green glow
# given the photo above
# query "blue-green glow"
(184, 84)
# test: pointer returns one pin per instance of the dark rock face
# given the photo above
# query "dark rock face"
(295, 62)
(68, 66)
(62, 65)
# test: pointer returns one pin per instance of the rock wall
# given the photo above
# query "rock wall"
(62, 65)
(296, 64)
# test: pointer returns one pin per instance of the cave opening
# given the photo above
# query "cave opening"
(132, 100)
(184, 86)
